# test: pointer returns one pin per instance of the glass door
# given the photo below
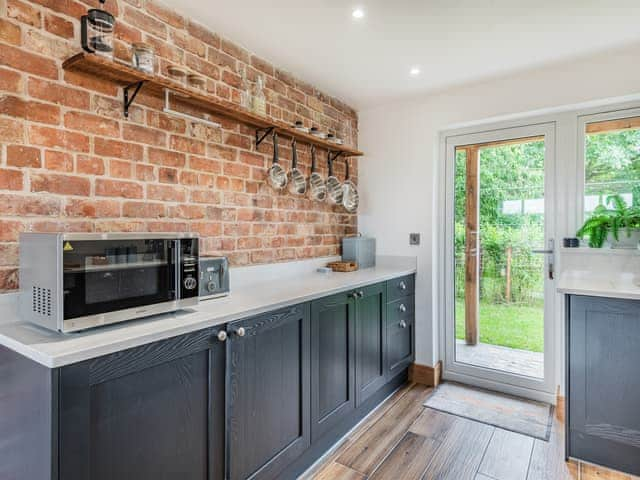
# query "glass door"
(501, 260)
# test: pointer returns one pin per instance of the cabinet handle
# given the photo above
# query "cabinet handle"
(353, 295)
(360, 294)
(240, 331)
(403, 324)
(402, 286)
(402, 308)
(222, 335)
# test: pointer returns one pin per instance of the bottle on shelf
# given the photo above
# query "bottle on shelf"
(245, 90)
(259, 101)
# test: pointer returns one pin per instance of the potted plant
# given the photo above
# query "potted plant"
(608, 224)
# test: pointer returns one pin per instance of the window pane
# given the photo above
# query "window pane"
(612, 162)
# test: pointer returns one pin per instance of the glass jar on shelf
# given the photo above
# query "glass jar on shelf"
(143, 57)
(259, 101)
(97, 32)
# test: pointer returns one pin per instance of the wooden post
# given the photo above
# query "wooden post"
(472, 250)
(507, 290)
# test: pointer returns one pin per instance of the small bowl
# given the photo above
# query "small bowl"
(196, 81)
(178, 73)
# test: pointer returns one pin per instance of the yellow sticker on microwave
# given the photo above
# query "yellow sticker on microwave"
(67, 247)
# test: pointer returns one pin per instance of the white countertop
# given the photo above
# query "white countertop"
(609, 284)
(55, 350)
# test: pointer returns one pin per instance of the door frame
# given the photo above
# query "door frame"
(536, 389)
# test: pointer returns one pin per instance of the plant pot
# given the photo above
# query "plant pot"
(625, 241)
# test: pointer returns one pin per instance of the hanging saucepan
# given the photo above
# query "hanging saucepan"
(297, 181)
(334, 187)
(317, 186)
(350, 197)
(277, 175)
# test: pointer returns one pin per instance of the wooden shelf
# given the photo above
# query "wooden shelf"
(126, 75)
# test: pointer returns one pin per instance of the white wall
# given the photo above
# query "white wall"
(402, 170)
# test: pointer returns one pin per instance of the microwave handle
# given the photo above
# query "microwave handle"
(176, 263)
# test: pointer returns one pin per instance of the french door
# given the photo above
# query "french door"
(499, 269)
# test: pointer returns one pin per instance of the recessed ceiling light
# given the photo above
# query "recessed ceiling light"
(414, 72)
(357, 13)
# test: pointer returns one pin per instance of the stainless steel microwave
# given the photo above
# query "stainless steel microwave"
(74, 281)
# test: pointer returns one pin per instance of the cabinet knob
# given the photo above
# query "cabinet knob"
(402, 286)
(360, 294)
(403, 324)
(222, 335)
(355, 295)
(402, 308)
(240, 331)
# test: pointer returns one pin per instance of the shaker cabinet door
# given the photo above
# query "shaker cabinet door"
(332, 362)
(143, 413)
(269, 392)
(370, 341)
(604, 389)
(400, 335)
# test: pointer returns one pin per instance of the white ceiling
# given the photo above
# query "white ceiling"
(367, 62)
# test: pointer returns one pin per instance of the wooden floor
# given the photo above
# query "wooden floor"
(402, 440)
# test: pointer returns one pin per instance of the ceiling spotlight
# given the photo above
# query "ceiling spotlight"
(357, 13)
(414, 72)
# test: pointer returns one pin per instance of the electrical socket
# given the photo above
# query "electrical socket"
(414, 239)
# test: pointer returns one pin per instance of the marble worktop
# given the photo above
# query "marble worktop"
(254, 290)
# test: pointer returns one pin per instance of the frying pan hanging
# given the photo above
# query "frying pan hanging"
(334, 187)
(317, 185)
(297, 181)
(277, 175)
(350, 197)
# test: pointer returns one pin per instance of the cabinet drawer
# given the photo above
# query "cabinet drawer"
(404, 308)
(400, 345)
(400, 287)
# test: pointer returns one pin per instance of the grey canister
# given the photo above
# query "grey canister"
(361, 250)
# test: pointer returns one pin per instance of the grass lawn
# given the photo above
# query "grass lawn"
(514, 326)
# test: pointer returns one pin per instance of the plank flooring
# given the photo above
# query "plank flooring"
(403, 440)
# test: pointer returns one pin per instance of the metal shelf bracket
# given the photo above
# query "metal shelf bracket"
(262, 133)
(335, 157)
(128, 100)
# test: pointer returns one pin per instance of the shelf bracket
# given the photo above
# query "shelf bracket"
(335, 157)
(129, 100)
(262, 133)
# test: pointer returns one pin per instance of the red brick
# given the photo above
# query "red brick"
(262, 65)
(185, 41)
(68, 7)
(28, 62)
(10, 230)
(29, 110)
(120, 226)
(143, 210)
(236, 170)
(9, 255)
(8, 279)
(54, 138)
(139, 134)
(23, 12)
(189, 212)
(116, 188)
(203, 34)
(205, 164)
(114, 148)
(60, 161)
(89, 123)
(29, 205)
(11, 130)
(166, 157)
(54, 226)
(127, 34)
(47, 45)
(187, 145)
(90, 165)
(145, 22)
(10, 179)
(168, 175)
(166, 122)
(120, 169)
(145, 172)
(61, 184)
(60, 94)
(207, 229)
(204, 196)
(58, 26)
(91, 82)
(235, 51)
(165, 14)
(10, 81)
(92, 208)
(167, 193)
(22, 156)
(9, 33)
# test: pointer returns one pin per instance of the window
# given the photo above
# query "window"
(611, 160)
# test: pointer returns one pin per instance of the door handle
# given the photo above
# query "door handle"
(542, 251)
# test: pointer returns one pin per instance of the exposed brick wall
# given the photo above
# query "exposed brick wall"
(69, 161)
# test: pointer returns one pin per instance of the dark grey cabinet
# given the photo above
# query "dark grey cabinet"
(370, 341)
(153, 412)
(603, 387)
(333, 390)
(269, 387)
(400, 326)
